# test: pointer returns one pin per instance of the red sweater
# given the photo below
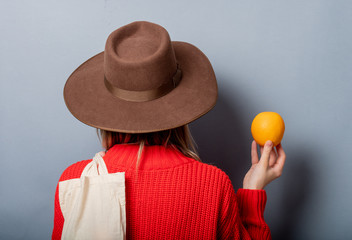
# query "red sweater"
(176, 197)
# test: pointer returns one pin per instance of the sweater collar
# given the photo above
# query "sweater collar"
(153, 157)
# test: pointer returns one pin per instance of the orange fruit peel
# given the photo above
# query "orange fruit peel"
(268, 126)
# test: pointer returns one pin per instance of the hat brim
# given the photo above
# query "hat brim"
(90, 102)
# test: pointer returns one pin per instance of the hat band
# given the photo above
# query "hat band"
(147, 95)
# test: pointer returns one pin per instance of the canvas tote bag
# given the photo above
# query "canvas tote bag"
(93, 205)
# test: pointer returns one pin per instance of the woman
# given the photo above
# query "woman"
(140, 94)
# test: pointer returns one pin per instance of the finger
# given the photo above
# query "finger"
(254, 152)
(264, 159)
(280, 162)
(273, 157)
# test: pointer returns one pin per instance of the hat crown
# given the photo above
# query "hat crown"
(139, 57)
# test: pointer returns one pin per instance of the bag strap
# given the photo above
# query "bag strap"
(95, 167)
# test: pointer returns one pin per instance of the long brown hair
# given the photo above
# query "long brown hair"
(179, 138)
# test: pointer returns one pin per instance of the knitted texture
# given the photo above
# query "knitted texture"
(176, 197)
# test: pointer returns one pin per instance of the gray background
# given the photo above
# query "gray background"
(291, 57)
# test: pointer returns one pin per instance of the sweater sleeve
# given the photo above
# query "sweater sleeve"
(58, 217)
(242, 214)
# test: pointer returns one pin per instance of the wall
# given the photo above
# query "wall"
(291, 57)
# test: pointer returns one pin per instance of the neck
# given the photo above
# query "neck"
(153, 157)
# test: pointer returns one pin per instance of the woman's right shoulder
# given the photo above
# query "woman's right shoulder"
(214, 172)
(74, 170)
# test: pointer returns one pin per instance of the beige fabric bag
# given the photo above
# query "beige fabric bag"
(93, 206)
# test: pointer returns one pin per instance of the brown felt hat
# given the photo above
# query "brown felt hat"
(142, 82)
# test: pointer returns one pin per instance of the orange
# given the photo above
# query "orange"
(268, 126)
